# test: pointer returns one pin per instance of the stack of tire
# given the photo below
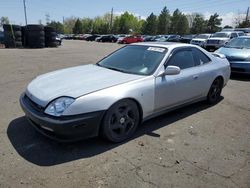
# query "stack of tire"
(50, 37)
(12, 36)
(34, 36)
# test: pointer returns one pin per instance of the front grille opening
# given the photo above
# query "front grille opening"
(32, 104)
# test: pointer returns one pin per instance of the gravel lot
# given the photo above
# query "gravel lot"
(196, 146)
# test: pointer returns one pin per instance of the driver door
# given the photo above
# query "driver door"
(174, 90)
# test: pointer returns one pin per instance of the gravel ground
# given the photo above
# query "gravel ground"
(196, 146)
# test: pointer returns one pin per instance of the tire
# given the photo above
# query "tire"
(9, 27)
(35, 27)
(50, 34)
(215, 90)
(52, 44)
(19, 44)
(49, 29)
(35, 33)
(120, 121)
(18, 33)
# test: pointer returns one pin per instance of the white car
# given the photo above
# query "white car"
(200, 39)
(219, 39)
(133, 84)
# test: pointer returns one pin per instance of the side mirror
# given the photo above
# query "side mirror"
(171, 70)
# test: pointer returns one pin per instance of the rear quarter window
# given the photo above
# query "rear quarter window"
(199, 57)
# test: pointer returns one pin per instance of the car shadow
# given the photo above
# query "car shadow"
(39, 150)
(240, 77)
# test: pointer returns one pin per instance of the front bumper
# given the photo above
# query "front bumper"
(213, 46)
(65, 128)
(240, 67)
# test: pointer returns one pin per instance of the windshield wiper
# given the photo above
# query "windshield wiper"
(115, 69)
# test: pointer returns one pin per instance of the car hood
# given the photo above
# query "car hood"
(74, 82)
(199, 39)
(234, 53)
(218, 38)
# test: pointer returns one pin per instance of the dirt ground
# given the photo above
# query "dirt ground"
(196, 146)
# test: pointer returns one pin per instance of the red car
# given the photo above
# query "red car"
(131, 39)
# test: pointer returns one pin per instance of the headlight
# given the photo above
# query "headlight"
(58, 106)
(222, 42)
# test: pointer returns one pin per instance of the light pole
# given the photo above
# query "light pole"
(24, 7)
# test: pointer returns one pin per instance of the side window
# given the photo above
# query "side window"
(200, 57)
(183, 59)
(234, 35)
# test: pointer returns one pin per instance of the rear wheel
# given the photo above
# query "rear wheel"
(214, 93)
(121, 121)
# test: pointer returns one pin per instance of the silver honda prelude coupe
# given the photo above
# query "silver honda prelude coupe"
(112, 97)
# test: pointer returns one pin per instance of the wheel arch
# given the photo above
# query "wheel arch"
(221, 78)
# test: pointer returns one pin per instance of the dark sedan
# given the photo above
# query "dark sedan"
(106, 38)
(92, 37)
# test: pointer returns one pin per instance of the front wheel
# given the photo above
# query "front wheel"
(120, 121)
(215, 90)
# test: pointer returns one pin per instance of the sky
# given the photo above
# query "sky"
(57, 9)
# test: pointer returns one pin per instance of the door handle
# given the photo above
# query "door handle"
(195, 77)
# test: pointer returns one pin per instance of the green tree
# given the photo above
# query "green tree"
(100, 26)
(199, 24)
(4, 20)
(128, 23)
(150, 26)
(244, 24)
(179, 23)
(78, 28)
(87, 25)
(164, 21)
(58, 26)
(174, 21)
(183, 26)
(69, 24)
(214, 23)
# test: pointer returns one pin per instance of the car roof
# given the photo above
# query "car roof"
(163, 44)
(228, 32)
(247, 36)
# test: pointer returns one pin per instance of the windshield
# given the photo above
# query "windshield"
(202, 36)
(142, 60)
(239, 43)
(221, 35)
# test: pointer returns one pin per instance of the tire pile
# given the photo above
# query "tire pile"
(50, 37)
(35, 37)
(30, 36)
(12, 36)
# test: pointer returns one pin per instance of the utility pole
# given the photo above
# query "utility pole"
(24, 7)
(247, 14)
(111, 20)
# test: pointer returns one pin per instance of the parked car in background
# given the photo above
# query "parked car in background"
(187, 38)
(240, 33)
(148, 38)
(58, 40)
(121, 37)
(219, 39)
(133, 84)
(131, 39)
(173, 38)
(200, 39)
(92, 37)
(106, 38)
(245, 30)
(237, 52)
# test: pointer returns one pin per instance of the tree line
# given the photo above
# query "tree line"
(127, 23)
